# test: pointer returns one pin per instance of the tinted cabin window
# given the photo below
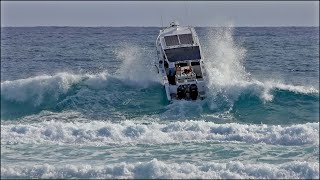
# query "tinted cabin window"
(195, 63)
(184, 53)
(171, 40)
(182, 64)
(186, 39)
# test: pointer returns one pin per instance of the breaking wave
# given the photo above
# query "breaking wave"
(31, 95)
(163, 170)
(65, 91)
(104, 92)
(131, 132)
(227, 78)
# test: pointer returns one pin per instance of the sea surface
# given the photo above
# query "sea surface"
(87, 102)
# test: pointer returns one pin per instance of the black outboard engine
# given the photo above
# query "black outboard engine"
(181, 92)
(193, 91)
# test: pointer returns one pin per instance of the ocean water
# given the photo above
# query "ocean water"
(86, 102)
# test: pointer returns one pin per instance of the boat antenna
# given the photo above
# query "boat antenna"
(161, 22)
(186, 10)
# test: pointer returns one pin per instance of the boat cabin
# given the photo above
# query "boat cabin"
(180, 62)
(181, 48)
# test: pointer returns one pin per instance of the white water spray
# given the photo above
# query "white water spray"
(224, 59)
(136, 67)
(227, 78)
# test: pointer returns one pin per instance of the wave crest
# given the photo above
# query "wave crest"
(37, 88)
(164, 170)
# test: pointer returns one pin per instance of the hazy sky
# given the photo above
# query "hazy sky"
(135, 13)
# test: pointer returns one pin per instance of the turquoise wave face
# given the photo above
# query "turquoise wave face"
(93, 96)
(103, 95)
(286, 108)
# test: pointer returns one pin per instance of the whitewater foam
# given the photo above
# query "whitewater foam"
(164, 170)
(131, 132)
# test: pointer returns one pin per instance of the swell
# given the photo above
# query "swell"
(66, 91)
(105, 95)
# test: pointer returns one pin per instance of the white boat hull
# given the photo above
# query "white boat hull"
(180, 63)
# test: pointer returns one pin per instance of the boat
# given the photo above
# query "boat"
(180, 63)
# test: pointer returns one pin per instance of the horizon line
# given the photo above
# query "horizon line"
(146, 26)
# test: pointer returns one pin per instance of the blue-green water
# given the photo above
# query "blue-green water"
(88, 103)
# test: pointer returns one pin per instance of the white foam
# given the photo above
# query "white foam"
(166, 170)
(131, 132)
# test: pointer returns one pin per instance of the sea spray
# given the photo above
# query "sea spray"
(224, 59)
(136, 65)
(227, 78)
(226, 75)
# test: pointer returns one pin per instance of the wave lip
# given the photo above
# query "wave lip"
(296, 89)
(161, 169)
(129, 132)
(273, 85)
(34, 89)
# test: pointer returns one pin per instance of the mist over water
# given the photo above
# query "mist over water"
(105, 114)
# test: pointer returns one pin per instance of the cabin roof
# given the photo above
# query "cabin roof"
(176, 30)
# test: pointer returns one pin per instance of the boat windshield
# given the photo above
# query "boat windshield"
(183, 53)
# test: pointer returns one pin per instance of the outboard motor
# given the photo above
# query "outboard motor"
(181, 92)
(193, 91)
